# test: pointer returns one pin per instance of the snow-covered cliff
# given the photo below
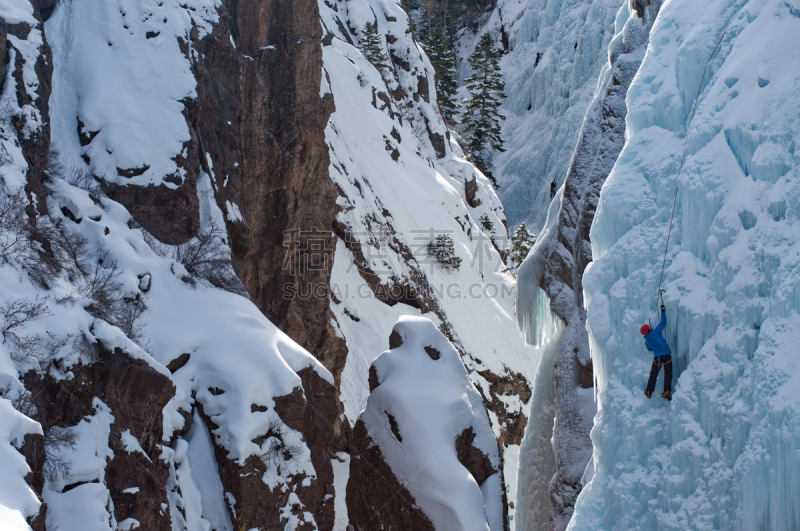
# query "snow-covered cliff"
(192, 156)
(713, 114)
(402, 182)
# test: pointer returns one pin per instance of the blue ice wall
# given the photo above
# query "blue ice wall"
(713, 112)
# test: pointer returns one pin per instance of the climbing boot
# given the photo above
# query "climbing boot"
(648, 393)
(665, 394)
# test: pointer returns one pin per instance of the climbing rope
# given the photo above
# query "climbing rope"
(683, 159)
(660, 291)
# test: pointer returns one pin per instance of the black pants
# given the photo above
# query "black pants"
(658, 362)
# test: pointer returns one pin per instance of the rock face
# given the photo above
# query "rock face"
(554, 270)
(136, 394)
(261, 122)
(246, 143)
(423, 453)
(255, 126)
(26, 50)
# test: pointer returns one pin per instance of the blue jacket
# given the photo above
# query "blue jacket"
(655, 342)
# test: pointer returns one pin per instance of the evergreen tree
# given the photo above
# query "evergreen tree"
(521, 242)
(372, 46)
(443, 250)
(482, 118)
(486, 223)
(444, 65)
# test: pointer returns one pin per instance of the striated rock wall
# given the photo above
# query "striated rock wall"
(260, 121)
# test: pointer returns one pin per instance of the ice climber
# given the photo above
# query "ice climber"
(662, 356)
(552, 189)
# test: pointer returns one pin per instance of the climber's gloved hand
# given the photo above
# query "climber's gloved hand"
(663, 308)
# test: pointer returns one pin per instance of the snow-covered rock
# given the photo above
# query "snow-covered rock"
(169, 121)
(398, 189)
(215, 359)
(17, 500)
(426, 420)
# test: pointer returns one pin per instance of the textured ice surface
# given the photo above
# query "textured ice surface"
(550, 280)
(546, 103)
(725, 453)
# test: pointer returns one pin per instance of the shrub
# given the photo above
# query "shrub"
(205, 257)
(443, 251)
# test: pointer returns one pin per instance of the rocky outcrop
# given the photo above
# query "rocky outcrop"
(29, 115)
(378, 501)
(260, 118)
(136, 395)
(556, 267)
(257, 129)
(312, 411)
(424, 426)
(378, 497)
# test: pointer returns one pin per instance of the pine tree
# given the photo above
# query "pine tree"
(521, 242)
(444, 65)
(372, 46)
(486, 223)
(482, 118)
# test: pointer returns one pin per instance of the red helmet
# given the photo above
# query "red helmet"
(645, 329)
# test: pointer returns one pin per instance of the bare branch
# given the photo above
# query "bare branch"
(205, 257)
(18, 313)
